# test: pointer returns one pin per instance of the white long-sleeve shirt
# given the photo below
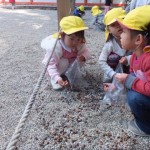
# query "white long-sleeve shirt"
(111, 46)
(58, 63)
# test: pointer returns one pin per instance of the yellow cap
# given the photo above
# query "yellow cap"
(72, 24)
(95, 10)
(137, 19)
(81, 8)
(56, 35)
(112, 16)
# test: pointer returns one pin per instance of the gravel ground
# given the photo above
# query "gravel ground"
(58, 120)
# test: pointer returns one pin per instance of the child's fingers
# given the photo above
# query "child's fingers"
(106, 84)
(106, 88)
(65, 83)
(123, 60)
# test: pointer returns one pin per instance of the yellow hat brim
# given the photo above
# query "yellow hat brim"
(120, 18)
(73, 30)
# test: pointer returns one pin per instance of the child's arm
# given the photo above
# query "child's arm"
(138, 84)
(135, 83)
(107, 49)
(52, 67)
(52, 70)
(83, 53)
(125, 60)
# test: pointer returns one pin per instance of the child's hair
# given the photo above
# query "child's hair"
(145, 34)
(79, 34)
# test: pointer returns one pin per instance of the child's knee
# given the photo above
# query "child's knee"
(136, 99)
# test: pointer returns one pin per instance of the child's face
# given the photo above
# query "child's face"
(72, 41)
(115, 29)
(127, 42)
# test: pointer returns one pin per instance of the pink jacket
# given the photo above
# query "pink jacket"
(62, 56)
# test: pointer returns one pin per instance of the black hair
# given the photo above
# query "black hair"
(80, 34)
(145, 34)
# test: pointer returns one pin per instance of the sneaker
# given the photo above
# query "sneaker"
(132, 127)
(55, 85)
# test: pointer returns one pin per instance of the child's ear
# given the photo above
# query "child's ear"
(108, 28)
(62, 34)
(139, 39)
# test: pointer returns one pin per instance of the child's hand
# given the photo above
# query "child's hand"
(123, 60)
(81, 58)
(109, 86)
(121, 77)
(106, 86)
(62, 82)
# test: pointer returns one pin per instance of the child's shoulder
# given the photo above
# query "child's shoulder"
(109, 42)
(146, 56)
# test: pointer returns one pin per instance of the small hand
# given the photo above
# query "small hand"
(121, 77)
(62, 82)
(123, 60)
(81, 58)
(106, 86)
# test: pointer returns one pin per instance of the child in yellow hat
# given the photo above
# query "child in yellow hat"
(112, 51)
(79, 11)
(136, 36)
(70, 45)
(98, 18)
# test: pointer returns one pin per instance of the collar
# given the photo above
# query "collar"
(64, 46)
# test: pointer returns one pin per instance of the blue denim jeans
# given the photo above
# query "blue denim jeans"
(140, 107)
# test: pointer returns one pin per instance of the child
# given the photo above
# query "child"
(136, 36)
(108, 4)
(79, 11)
(112, 51)
(98, 18)
(71, 45)
(12, 3)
